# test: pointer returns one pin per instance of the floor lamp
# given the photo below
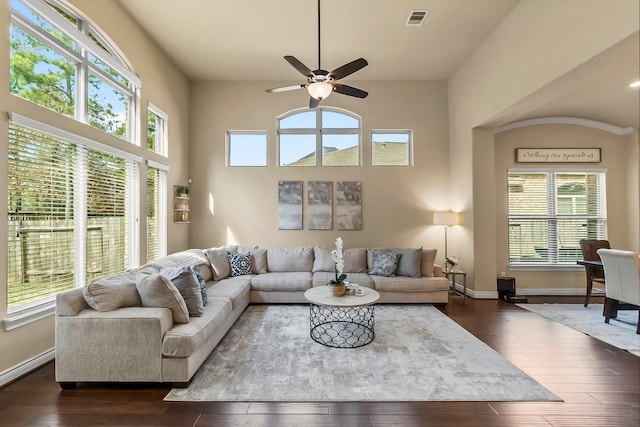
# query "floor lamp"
(447, 219)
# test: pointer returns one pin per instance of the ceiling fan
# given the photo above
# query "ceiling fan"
(320, 83)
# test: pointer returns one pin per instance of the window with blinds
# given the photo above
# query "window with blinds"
(156, 213)
(69, 214)
(550, 212)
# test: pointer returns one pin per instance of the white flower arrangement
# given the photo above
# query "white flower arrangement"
(451, 262)
(338, 260)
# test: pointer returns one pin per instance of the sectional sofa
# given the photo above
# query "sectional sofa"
(159, 322)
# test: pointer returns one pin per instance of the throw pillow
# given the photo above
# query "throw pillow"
(259, 261)
(111, 293)
(157, 291)
(322, 260)
(219, 262)
(384, 263)
(203, 284)
(370, 255)
(186, 281)
(355, 260)
(409, 262)
(428, 260)
(240, 263)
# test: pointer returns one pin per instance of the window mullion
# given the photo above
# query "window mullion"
(80, 216)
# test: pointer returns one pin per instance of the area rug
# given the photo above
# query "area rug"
(620, 332)
(418, 354)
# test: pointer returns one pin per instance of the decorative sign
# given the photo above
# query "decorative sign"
(558, 155)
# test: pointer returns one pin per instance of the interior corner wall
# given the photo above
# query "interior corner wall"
(240, 204)
(540, 41)
(163, 84)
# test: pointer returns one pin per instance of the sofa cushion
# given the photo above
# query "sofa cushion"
(157, 290)
(259, 260)
(290, 259)
(322, 260)
(285, 281)
(240, 264)
(384, 263)
(111, 293)
(219, 261)
(409, 262)
(185, 280)
(321, 278)
(370, 255)
(183, 340)
(355, 260)
(410, 284)
(428, 261)
(235, 288)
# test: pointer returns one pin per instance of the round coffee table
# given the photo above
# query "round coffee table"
(343, 322)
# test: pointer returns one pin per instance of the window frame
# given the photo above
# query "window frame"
(408, 132)
(80, 56)
(553, 218)
(228, 147)
(318, 131)
(161, 139)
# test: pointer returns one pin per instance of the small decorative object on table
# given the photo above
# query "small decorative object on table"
(338, 285)
(451, 263)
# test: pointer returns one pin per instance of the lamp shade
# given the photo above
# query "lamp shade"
(445, 218)
(320, 90)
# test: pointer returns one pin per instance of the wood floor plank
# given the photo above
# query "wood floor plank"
(599, 385)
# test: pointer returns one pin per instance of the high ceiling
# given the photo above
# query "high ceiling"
(245, 40)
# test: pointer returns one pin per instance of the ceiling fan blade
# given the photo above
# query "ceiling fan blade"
(349, 68)
(313, 103)
(303, 69)
(349, 90)
(285, 88)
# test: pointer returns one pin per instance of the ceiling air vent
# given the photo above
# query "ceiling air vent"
(416, 18)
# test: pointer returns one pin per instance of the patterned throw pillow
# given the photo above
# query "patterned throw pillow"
(384, 263)
(203, 286)
(240, 263)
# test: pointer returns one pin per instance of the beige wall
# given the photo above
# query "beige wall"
(528, 51)
(239, 205)
(162, 84)
(614, 151)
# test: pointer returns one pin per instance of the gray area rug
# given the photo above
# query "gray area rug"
(418, 354)
(620, 332)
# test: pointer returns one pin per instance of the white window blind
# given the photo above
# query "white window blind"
(551, 211)
(156, 213)
(70, 217)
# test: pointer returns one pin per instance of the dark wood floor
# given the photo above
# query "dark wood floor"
(600, 386)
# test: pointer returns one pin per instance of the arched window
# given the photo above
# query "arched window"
(61, 61)
(319, 137)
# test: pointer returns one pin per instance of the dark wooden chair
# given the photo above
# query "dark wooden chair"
(594, 273)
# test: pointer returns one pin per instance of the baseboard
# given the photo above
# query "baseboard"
(25, 368)
(565, 292)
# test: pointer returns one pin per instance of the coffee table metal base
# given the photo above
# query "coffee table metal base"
(342, 327)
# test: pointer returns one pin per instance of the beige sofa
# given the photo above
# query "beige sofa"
(139, 326)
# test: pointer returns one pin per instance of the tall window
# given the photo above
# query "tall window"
(71, 216)
(321, 136)
(156, 211)
(61, 62)
(550, 212)
(391, 148)
(157, 130)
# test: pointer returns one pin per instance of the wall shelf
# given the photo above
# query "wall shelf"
(181, 204)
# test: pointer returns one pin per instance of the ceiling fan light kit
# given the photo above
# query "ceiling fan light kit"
(320, 83)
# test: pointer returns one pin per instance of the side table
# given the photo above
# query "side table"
(451, 275)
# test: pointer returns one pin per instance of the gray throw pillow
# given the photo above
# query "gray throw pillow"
(157, 290)
(409, 262)
(259, 261)
(111, 293)
(219, 262)
(384, 263)
(202, 282)
(185, 280)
